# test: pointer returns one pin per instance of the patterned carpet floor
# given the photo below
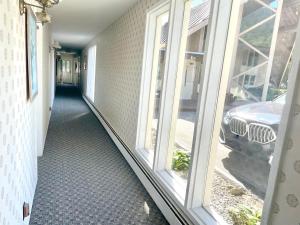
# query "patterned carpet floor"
(82, 177)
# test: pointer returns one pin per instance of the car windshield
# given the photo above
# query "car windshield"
(280, 99)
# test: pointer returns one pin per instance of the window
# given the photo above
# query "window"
(248, 80)
(172, 87)
(214, 88)
(251, 58)
(185, 104)
(157, 79)
(91, 72)
(241, 156)
(158, 26)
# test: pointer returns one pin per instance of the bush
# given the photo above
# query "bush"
(271, 95)
(181, 161)
(274, 93)
(245, 216)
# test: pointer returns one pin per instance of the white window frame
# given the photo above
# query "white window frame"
(179, 20)
(217, 30)
(220, 46)
(148, 59)
(176, 47)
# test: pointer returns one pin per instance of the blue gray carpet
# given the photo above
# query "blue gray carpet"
(82, 177)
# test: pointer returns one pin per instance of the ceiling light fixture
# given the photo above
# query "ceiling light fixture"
(43, 17)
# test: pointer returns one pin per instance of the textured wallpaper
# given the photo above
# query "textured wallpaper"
(18, 119)
(119, 70)
(286, 209)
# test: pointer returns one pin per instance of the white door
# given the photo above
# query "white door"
(188, 80)
(67, 72)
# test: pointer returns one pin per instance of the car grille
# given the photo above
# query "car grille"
(238, 126)
(260, 133)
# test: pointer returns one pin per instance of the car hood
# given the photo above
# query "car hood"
(263, 112)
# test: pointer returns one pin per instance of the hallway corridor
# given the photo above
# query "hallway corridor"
(82, 176)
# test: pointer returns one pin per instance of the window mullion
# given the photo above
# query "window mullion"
(221, 10)
(146, 79)
(169, 83)
(208, 50)
(145, 142)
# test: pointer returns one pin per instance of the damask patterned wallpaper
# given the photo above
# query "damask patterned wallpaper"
(19, 119)
(286, 208)
(119, 69)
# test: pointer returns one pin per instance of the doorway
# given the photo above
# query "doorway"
(67, 69)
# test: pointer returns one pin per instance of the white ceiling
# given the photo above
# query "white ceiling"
(76, 22)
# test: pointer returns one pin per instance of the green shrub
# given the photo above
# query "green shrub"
(274, 93)
(181, 161)
(271, 95)
(245, 216)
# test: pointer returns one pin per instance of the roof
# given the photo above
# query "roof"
(198, 19)
(199, 14)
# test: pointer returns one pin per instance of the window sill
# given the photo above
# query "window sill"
(176, 184)
(207, 216)
(147, 156)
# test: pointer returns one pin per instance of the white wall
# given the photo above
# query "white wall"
(22, 131)
(286, 205)
(46, 92)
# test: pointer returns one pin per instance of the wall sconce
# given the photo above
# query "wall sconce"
(42, 16)
(55, 46)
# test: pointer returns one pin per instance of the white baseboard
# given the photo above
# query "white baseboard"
(162, 205)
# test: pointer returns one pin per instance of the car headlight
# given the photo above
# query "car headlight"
(227, 118)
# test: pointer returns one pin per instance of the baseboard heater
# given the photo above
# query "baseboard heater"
(179, 215)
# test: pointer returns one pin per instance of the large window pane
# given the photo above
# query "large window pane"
(158, 65)
(91, 73)
(187, 92)
(255, 98)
